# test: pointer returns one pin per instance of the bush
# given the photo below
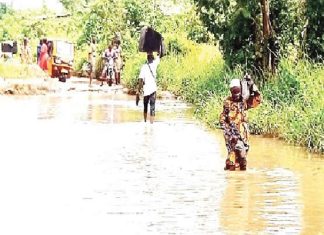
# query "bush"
(132, 70)
(293, 106)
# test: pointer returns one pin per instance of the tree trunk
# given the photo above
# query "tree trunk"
(267, 57)
(258, 48)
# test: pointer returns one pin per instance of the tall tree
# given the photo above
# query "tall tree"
(315, 29)
(267, 33)
(251, 32)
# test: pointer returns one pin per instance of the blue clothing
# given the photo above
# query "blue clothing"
(38, 52)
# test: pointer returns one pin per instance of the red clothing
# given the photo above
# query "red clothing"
(43, 57)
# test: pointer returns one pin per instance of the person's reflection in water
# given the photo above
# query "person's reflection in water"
(239, 205)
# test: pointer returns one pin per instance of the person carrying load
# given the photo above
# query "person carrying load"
(234, 120)
(150, 41)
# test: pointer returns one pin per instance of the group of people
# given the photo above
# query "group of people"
(42, 53)
(112, 55)
(233, 119)
(113, 62)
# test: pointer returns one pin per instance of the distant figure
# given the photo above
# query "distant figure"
(109, 57)
(50, 49)
(43, 55)
(25, 52)
(92, 59)
(39, 50)
(147, 80)
(118, 61)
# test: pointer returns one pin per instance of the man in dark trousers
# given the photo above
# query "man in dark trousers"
(147, 81)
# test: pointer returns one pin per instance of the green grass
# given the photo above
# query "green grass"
(14, 69)
(293, 99)
(293, 108)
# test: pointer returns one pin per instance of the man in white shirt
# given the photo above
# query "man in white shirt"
(147, 80)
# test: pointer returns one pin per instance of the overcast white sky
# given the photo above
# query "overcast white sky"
(32, 4)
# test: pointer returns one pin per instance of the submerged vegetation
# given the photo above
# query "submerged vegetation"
(208, 43)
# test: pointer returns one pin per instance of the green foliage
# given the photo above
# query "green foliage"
(177, 45)
(3, 9)
(287, 22)
(132, 70)
(238, 26)
(293, 106)
(101, 22)
(192, 75)
(234, 24)
(135, 15)
(190, 23)
(285, 89)
(140, 13)
(315, 29)
(237, 44)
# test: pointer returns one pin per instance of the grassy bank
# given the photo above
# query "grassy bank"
(14, 69)
(23, 79)
(293, 106)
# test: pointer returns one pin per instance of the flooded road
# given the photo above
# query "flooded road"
(82, 163)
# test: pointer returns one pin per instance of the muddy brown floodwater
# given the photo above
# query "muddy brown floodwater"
(80, 163)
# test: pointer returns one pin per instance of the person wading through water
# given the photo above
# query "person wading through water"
(234, 122)
(147, 81)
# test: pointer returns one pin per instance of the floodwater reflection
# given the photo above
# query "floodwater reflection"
(86, 163)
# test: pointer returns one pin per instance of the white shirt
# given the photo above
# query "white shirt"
(118, 51)
(110, 55)
(149, 78)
